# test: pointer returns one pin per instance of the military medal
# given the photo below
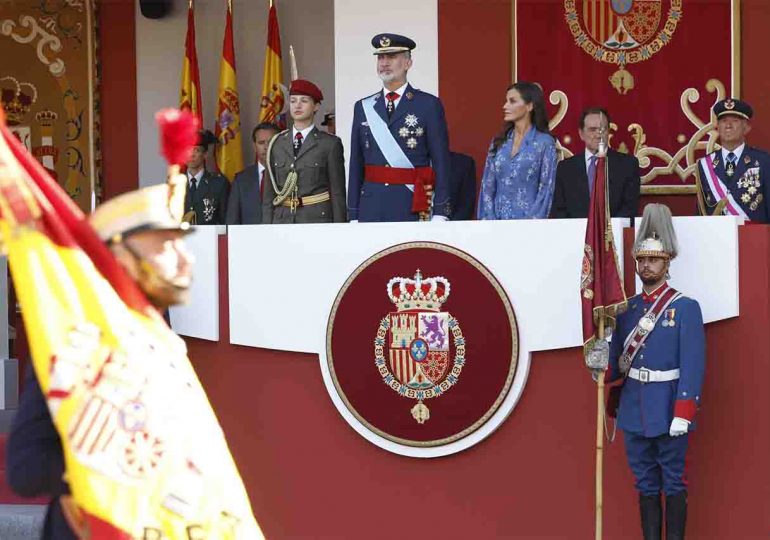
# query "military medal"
(646, 324)
(730, 169)
(669, 321)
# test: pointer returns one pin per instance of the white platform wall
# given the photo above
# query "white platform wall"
(283, 301)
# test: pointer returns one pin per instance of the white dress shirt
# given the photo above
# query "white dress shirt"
(589, 155)
(260, 170)
(738, 151)
(305, 132)
(197, 177)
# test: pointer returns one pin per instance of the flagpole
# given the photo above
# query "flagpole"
(599, 442)
(602, 153)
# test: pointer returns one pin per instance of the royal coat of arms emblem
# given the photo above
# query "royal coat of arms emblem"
(622, 32)
(414, 369)
(412, 346)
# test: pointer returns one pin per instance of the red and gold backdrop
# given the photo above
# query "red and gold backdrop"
(658, 66)
(48, 83)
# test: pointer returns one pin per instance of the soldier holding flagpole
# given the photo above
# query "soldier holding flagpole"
(657, 355)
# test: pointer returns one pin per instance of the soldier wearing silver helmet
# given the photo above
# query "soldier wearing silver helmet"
(657, 354)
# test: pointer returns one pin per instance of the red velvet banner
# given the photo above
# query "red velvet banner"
(657, 66)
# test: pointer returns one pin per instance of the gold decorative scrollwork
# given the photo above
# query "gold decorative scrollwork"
(557, 97)
(673, 164)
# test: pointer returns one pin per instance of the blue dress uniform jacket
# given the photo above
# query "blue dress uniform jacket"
(648, 408)
(419, 126)
(35, 460)
(753, 166)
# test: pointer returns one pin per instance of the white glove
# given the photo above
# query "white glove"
(439, 218)
(679, 426)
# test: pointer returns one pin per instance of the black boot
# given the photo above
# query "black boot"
(650, 511)
(676, 515)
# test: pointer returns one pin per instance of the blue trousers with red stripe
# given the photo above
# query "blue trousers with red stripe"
(657, 462)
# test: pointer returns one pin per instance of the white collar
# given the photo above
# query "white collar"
(197, 176)
(399, 91)
(305, 132)
(738, 152)
(260, 168)
(589, 155)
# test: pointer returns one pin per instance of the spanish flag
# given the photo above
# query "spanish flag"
(144, 454)
(190, 88)
(273, 92)
(228, 128)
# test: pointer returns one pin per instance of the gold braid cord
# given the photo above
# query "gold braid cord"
(290, 186)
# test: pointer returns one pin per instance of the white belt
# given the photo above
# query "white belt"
(646, 375)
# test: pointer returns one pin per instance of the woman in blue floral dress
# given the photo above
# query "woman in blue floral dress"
(520, 172)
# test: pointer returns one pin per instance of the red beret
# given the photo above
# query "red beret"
(301, 87)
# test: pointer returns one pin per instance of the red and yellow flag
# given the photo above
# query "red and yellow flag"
(190, 88)
(601, 288)
(273, 91)
(144, 454)
(228, 129)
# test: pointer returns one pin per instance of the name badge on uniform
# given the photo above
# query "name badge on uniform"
(668, 320)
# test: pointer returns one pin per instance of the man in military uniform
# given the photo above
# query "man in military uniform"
(306, 166)
(206, 199)
(733, 180)
(148, 243)
(658, 352)
(399, 162)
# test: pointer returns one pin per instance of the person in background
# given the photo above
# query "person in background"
(462, 186)
(205, 202)
(575, 176)
(244, 206)
(520, 172)
(330, 123)
(305, 181)
(733, 181)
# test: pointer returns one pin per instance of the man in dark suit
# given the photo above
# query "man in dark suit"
(305, 181)
(205, 202)
(399, 147)
(575, 175)
(462, 186)
(244, 205)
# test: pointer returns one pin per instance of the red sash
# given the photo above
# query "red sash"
(420, 177)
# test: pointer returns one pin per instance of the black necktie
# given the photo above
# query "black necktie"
(297, 143)
(192, 187)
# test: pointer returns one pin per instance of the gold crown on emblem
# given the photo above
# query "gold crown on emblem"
(46, 117)
(385, 41)
(418, 293)
(16, 102)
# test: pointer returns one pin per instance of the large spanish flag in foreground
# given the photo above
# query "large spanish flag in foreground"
(228, 128)
(273, 92)
(145, 456)
(190, 88)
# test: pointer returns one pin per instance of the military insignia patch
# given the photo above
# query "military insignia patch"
(412, 367)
